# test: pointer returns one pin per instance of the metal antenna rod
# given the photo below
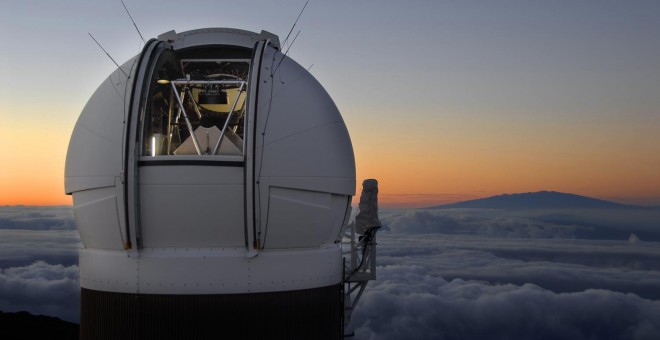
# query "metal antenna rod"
(292, 41)
(129, 15)
(285, 53)
(108, 54)
(294, 24)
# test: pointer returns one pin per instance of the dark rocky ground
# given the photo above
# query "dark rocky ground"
(23, 325)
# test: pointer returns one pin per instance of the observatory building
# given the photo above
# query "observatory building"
(212, 179)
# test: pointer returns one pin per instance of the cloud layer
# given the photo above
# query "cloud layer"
(41, 288)
(554, 264)
(37, 218)
(408, 302)
(23, 247)
(39, 261)
(596, 224)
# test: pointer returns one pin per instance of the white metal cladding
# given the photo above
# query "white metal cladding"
(209, 270)
(304, 163)
(192, 206)
(94, 157)
(300, 131)
(218, 35)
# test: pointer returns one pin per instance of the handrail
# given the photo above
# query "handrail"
(360, 259)
(207, 82)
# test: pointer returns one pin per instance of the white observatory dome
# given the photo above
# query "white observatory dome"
(211, 176)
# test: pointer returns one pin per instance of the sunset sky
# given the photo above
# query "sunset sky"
(444, 100)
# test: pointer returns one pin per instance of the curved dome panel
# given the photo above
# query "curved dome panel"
(304, 135)
(94, 157)
(217, 35)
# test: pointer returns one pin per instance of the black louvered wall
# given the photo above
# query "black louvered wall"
(302, 314)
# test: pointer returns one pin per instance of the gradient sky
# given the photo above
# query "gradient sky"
(444, 100)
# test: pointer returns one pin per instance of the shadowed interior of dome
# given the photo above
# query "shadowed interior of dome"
(197, 102)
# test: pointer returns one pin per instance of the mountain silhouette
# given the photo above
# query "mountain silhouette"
(23, 325)
(538, 200)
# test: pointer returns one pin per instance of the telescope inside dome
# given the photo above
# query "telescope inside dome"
(197, 103)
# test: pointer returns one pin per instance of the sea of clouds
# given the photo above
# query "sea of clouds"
(39, 261)
(595, 224)
(459, 274)
(435, 286)
(494, 274)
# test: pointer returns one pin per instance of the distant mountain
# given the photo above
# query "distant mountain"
(538, 200)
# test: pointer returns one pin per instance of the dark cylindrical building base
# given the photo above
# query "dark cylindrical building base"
(303, 314)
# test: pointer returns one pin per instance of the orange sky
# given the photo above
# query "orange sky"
(34, 170)
(617, 160)
(438, 164)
